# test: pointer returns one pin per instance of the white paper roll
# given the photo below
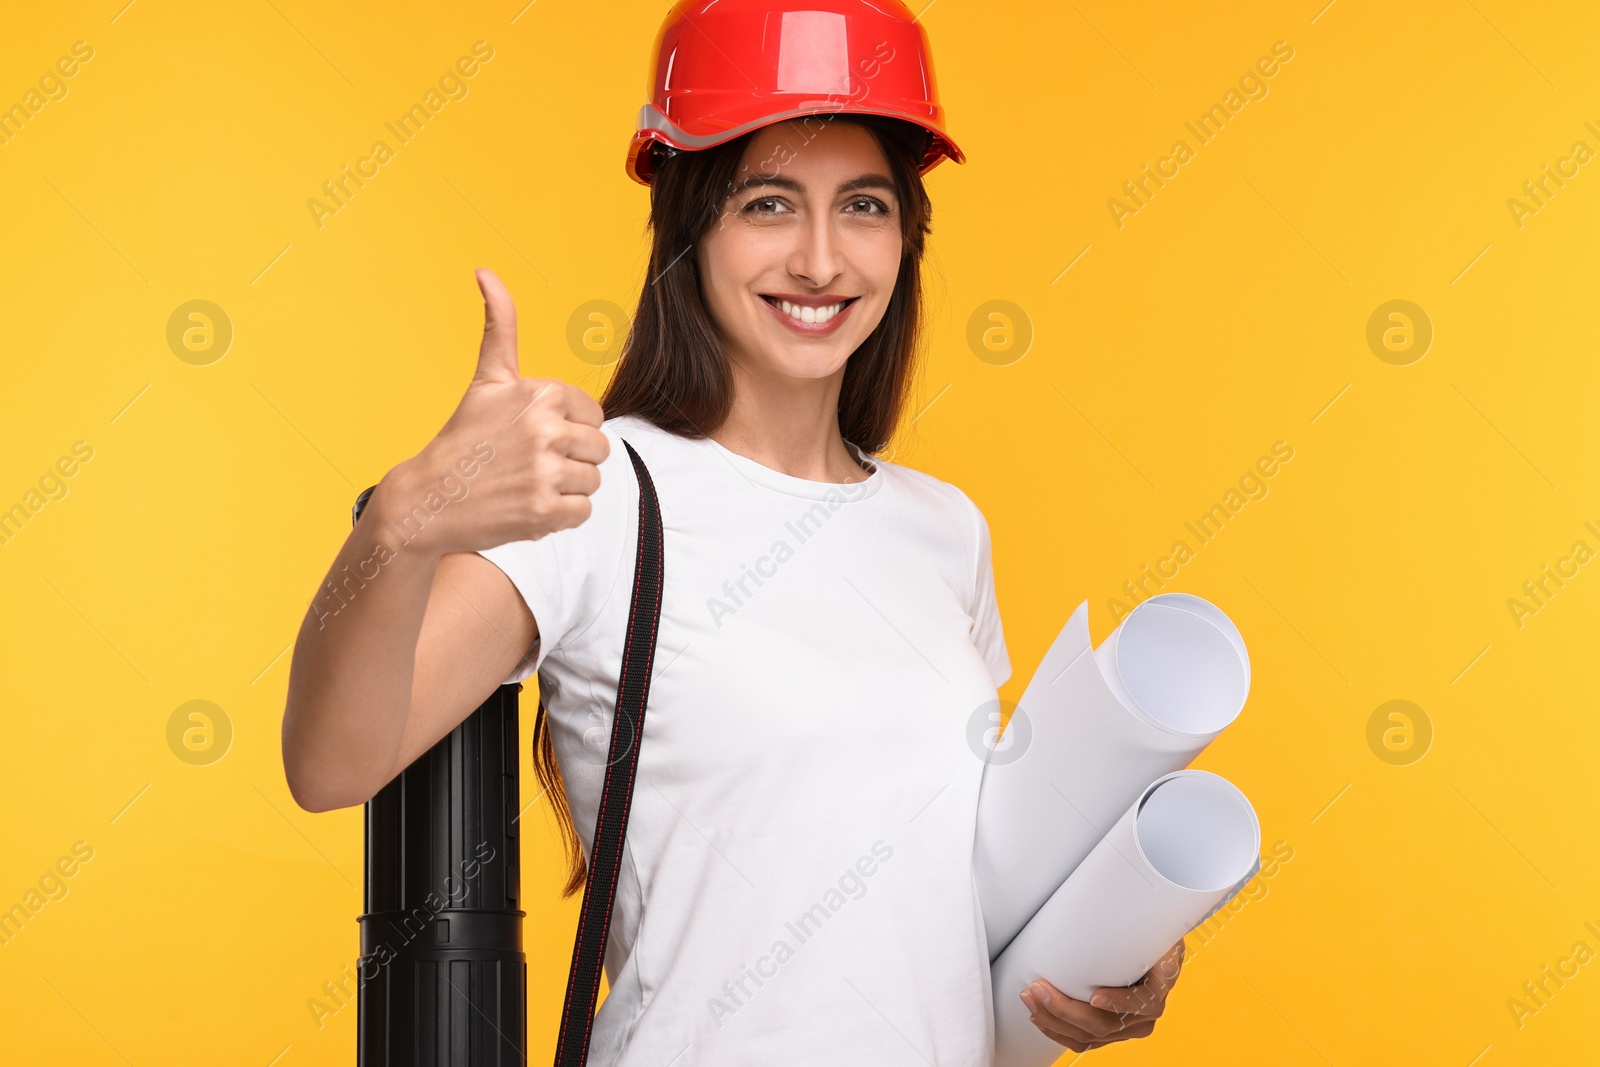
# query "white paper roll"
(1183, 846)
(1092, 731)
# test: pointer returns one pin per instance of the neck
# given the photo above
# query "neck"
(790, 425)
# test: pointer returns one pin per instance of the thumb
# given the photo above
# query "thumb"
(497, 356)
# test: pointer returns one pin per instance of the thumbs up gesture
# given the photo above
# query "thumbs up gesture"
(542, 438)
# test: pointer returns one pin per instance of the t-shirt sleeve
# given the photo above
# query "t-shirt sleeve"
(567, 577)
(987, 633)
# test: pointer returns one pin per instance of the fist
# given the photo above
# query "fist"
(537, 441)
(1112, 1013)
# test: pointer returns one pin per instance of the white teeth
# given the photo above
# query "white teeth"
(810, 314)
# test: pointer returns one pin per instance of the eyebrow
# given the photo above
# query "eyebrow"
(864, 181)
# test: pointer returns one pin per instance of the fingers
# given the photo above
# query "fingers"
(581, 407)
(1054, 1008)
(576, 477)
(497, 356)
(1164, 974)
(576, 438)
(1148, 997)
(573, 404)
(1079, 1041)
(568, 510)
(589, 445)
(1071, 1037)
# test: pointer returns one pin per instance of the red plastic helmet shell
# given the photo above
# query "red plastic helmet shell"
(722, 68)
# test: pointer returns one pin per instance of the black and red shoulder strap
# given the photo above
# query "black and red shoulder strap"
(616, 795)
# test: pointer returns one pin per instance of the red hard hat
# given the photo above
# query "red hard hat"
(725, 67)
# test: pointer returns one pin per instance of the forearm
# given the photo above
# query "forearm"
(351, 676)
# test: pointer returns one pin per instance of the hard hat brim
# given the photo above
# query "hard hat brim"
(653, 126)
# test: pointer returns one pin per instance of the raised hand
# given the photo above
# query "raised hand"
(517, 459)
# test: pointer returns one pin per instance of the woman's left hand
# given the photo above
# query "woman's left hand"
(1111, 1013)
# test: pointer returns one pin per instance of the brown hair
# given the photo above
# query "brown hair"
(674, 372)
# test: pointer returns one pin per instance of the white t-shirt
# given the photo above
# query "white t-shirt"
(797, 882)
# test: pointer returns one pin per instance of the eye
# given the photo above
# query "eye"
(871, 202)
(754, 206)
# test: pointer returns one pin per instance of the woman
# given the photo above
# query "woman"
(797, 884)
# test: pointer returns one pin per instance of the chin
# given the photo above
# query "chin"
(807, 365)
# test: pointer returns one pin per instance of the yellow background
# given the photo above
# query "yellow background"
(1229, 313)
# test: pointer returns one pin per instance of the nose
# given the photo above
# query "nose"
(816, 258)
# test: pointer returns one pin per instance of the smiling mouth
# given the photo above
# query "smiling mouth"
(802, 313)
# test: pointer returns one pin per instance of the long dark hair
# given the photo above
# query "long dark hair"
(674, 371)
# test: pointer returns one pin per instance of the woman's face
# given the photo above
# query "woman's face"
(813, 221)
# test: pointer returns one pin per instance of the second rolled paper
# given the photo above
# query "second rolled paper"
(1180, 848)
(1093, 729)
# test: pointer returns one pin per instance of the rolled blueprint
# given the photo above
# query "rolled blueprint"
(1181, 848)
(1093, 730)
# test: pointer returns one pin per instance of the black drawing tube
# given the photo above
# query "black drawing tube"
(442, 976)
